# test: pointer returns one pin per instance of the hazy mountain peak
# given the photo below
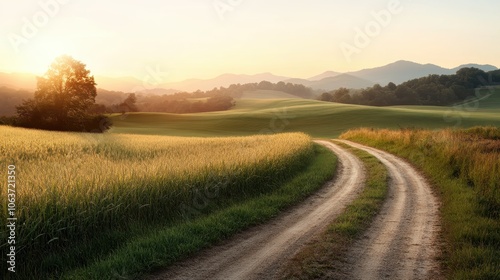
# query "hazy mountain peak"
(342, 80)
(399, 71)
(484, 67)
(324, 75)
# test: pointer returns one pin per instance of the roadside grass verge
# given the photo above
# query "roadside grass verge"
(464, 167)
(163, 246)
(321, 258)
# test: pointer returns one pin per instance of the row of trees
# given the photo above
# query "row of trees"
(218, 102)
(217, 99)
(179, 104)
(237, 90)
(436, 90)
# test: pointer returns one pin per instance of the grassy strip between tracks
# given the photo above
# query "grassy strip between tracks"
(164, 246)
(320, 259)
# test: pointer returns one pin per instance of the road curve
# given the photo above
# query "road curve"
(401, 243)
(258, 253)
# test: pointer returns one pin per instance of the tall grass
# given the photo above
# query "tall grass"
(73, 187)
(164, 246)
(464, 165)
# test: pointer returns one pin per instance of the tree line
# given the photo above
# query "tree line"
(433, 90)
(217, 99)
(177, 103)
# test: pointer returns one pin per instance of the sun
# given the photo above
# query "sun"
(42, 53)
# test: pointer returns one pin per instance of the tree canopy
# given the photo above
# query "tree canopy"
(436, 90)
(63, 99)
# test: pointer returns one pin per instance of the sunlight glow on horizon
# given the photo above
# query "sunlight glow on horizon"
(286, 38)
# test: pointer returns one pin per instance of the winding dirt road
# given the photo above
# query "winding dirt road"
(400, 244)
(258, 252)
(402, 241)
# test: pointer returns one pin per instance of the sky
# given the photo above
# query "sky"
(180, 39)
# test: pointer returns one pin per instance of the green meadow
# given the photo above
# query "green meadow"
(316, 118)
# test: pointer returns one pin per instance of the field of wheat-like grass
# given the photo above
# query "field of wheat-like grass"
(71, 186)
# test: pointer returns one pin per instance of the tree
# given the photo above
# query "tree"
(129, 104)
(341, 95)
(219, 103)
(391, 86)
(63, 99)
(471, 77)
(266, 85)
(406, 96)
(326, 96)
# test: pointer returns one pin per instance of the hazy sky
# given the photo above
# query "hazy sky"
(181, 39)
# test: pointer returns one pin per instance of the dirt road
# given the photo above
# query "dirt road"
(401, 243)
(258, 252)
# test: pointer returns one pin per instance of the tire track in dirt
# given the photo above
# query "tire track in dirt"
(258, 252)
(401, 243)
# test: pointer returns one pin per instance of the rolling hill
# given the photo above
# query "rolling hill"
(319, 119)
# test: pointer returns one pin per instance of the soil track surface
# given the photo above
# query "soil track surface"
(402, 241)
(258, 252)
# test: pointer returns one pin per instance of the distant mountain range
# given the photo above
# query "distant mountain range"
(18, 81)
(396, 72)
(224, 80)
(402, 71)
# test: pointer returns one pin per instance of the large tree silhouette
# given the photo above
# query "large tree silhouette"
(63, 99)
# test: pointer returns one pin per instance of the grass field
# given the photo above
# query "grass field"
(98, 188)
(164, 246)
(318, 119)
(464, 166)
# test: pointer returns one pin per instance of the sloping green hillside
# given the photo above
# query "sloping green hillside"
(319, 119)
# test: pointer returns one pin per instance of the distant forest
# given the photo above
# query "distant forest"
(433, 90)
(217, 99)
